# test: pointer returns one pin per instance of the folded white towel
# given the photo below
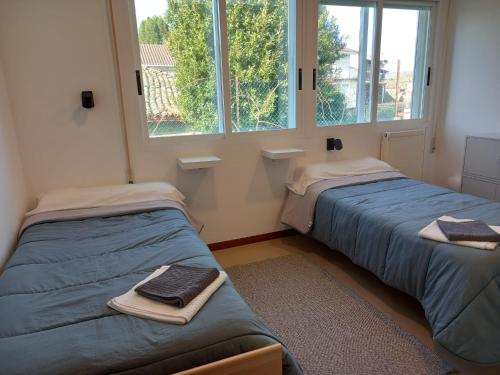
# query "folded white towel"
(433, 232)
(133, 304)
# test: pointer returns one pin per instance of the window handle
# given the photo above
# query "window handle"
(429, 76)
(314, 79)
(300, 79)
(139, 82)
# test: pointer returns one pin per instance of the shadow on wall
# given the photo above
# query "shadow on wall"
(80, 116)
(198, 186)
(269, 180)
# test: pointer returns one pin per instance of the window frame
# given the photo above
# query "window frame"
(429, 91)
(222, 72)
(126, 54)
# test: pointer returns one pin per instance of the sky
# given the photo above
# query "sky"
(398, 32)
(148, 8)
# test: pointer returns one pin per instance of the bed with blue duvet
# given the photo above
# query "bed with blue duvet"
(54, 290)
(374, 219)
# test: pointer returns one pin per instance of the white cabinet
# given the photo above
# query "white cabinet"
(475, 186)
(482, 157)
(481, 174)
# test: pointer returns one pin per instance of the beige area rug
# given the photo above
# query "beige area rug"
(326, 326)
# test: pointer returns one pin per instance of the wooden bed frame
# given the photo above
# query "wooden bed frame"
(263, 361)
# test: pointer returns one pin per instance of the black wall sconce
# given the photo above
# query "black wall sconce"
(88, 99)
(334, 144)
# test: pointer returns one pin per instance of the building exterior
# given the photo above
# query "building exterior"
(158, 74)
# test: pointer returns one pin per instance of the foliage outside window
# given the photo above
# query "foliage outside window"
(258, 64)
(182, 90)
(182, 61)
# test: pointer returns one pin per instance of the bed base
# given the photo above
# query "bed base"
(262, 361)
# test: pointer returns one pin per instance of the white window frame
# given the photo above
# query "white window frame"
(438, 16)
(128, 61)
(122, 15)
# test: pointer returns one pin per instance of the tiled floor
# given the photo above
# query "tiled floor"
(405, 310)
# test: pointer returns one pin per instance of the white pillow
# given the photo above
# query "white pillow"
(78, 198)
(306, 176)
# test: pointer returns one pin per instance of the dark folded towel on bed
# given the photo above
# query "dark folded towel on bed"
(475, 230)
(178, 285)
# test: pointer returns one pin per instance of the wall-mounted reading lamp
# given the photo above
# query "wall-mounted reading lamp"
(88, 99)
(334, 144)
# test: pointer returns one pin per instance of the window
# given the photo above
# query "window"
(345, 55)
(347, 59)
(182, 65)
(403, 63)
(258, 64)
(179, 66)
(240, 66)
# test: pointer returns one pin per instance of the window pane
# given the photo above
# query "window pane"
(345, 51)
(405, 33)
(178, 58)
(258, 63)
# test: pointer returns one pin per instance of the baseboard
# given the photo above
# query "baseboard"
(252, 239)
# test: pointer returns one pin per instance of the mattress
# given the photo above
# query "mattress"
(53, 294)
(376, 225)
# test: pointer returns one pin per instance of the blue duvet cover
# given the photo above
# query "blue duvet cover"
(53, 294)
(376, 225)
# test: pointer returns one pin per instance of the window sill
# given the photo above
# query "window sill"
(184, 138)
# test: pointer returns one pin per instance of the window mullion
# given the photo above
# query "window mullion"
(292, 64)
(376, 61)
(362, 64)
(223, 76)
(421, 62)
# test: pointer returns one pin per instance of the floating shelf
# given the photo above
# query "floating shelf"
(282, 153)
(198, 162)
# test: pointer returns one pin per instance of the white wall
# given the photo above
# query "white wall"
(52, 50)
(13, 196)
(474, 82)
(64, 47)
(244, 195)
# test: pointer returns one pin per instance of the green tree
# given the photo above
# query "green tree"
(258, 61)
(153, 30)
(190, 40)
(257, 36)
(330, 44)
(331, 105)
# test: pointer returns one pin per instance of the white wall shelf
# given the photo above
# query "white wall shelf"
(282, 153)
(200, 162)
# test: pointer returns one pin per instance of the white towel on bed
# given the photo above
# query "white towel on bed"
(433, 232)
(133, 304)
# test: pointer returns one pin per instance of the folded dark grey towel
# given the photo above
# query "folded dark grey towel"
(475, 230)
(178, 285)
